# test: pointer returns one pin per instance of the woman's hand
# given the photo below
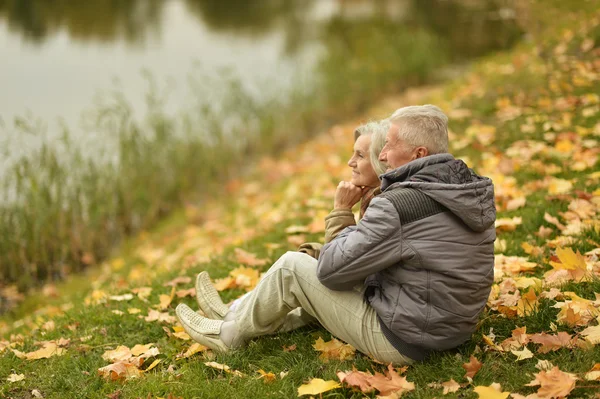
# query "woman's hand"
(346, 195)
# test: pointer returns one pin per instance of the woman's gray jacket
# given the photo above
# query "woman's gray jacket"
(424, 251)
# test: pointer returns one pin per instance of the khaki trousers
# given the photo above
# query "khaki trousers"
(292, 283)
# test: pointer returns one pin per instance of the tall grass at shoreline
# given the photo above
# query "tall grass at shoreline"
(62, 210)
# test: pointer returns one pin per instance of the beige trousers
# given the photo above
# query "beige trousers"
(292, 283)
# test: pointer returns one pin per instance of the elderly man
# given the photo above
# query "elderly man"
(410, 278)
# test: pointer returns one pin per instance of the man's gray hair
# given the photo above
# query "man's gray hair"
(377, 130)
(422, 126)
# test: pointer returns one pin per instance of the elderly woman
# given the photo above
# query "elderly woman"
(369, 140)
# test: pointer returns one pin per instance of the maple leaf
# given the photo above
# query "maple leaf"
(183, 293)
(506, 224)
(223, 284)
(333, 349)
(192, 350)
(569, 260)
(122, 352)
(125, 369)
(592, 334)
(528, 303)
(142, 292)
(248, 259)
(450, 386)
(355, 378)
(165, 300)
(559, 186)
(552, 220)
(245, 277)
(155, 315)
(515, 203)
(390, 383)
(594, 373)
(178, 280)
(266, 377)
(144, 351)
(522, 354)
(15, 377)
(551, 342)
(224, 367)
(317, 386)
(554, 383)
(49, 349)
(518, 339)
(492, 392)
(472, 367)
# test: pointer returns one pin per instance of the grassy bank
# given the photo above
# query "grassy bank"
(529, 118)
(64, 207)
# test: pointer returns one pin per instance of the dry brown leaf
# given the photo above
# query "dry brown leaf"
(390, 383)
(223, 367)
(183, 293)
(165, 300)
(594, 373)
(334, 349)
(506, 224)
(125, 369)
(49, 349)
(192, 350)
(248, 258)
(122, 352)
(472, 367)
(551, 342)
(15, 377)
(554, 383)
(553, 220)
(358, 379)
(522, 354)
(592, 334)
(178, 280)
(155, 315)
(266, 377)
(450, 386)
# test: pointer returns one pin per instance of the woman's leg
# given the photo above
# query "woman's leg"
(292, 283)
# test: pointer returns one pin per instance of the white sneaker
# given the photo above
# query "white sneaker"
(202, 330)
(208, 298)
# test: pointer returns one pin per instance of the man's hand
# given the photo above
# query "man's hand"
(346, 195)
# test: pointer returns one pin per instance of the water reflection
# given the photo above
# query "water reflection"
(97, 20)
(470, 28)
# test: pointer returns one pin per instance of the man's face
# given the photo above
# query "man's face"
(396, 152)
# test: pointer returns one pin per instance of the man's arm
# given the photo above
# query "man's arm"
(373, 245)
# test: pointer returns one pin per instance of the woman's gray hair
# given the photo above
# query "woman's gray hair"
(422, 126)
(377, 130)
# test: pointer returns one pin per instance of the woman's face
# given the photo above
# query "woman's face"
(362, 171)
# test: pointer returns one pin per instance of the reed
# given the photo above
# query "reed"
(66, 206)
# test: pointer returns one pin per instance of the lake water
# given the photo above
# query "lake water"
(57, 57)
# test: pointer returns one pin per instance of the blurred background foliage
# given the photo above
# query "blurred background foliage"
(65, 204)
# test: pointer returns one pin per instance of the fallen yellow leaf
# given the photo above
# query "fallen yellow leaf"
(491, 392)
(316, 386)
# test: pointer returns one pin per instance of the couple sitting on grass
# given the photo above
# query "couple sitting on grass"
(410, 278)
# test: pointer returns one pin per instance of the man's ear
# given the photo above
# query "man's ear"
(420, 152)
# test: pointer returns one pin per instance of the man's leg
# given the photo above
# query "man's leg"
(292, 283)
